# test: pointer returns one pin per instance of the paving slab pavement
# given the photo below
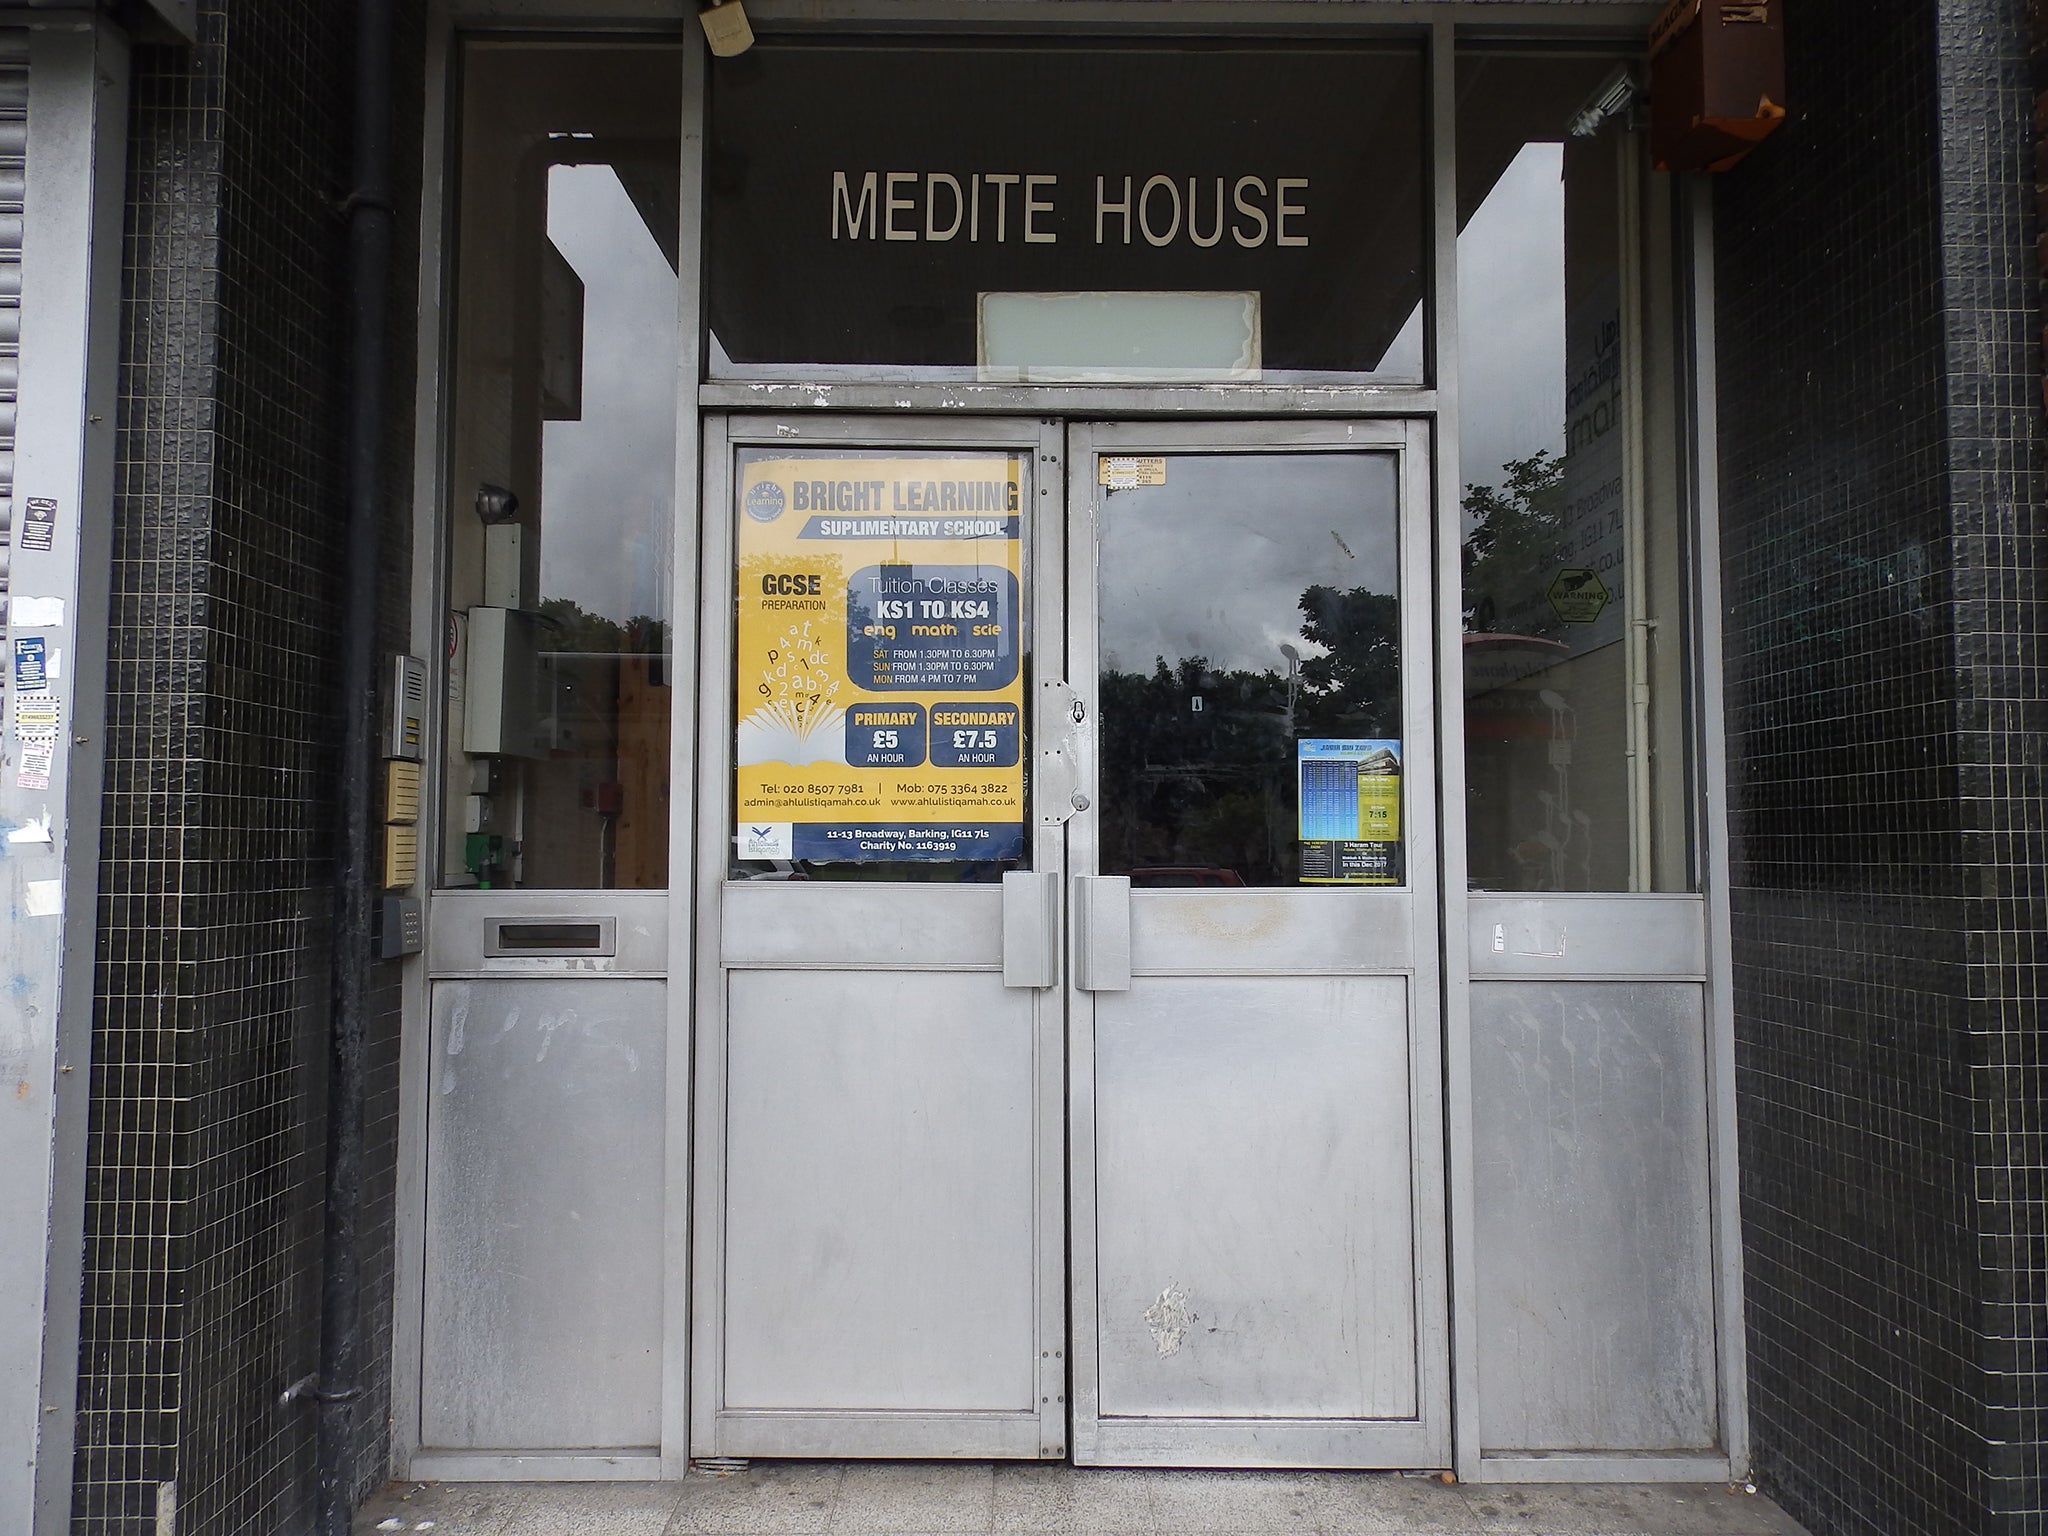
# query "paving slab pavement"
(837, 1498)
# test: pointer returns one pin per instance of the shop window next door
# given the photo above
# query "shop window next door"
(1069, 1076)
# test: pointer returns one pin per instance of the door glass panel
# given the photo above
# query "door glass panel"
(880, 665)
(562, 472)
(1576, 739)
(1250, 669)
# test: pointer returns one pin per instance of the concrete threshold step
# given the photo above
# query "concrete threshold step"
(836, 1498)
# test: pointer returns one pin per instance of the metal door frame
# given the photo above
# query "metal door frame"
(1445, 22)
(1426, 1440)
(903, 1434)
(1065, 1107)
(448, 24)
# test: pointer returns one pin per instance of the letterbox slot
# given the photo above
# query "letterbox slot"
(555, 936)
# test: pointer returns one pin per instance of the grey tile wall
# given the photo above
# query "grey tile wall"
(205, 1174)
(1880, 404)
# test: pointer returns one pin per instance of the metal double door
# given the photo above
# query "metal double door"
(1115, 1135)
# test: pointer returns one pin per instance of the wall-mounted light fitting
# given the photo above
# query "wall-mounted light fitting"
(1616, 94)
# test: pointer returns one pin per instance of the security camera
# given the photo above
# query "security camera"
(495, 505)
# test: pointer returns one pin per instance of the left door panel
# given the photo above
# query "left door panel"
(878, 1253)
(541, 1328)
(551, 1242)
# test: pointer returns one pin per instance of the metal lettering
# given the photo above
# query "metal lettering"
(1034, 236)
(1123, 209)
(843, 199)
(1237, 196)
(931, 224)
(1145, 210)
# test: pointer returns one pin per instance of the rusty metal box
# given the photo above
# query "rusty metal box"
(1717, 81)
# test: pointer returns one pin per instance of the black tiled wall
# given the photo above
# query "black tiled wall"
(2000, 531)
(1879, 391)
(207, 1141)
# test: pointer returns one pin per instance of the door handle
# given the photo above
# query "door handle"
(1102, 933)
(1031, 929)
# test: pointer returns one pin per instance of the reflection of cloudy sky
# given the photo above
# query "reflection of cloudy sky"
(1213, 563)
(608, 481)
(1511, 318)
(1230, 593)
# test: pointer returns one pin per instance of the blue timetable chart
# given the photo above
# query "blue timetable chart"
(1329, 797)
(1350, 811)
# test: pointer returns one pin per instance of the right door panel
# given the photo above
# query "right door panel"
(1252, 1199)
(1256, 1115)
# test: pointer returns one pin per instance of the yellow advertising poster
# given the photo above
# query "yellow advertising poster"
(879, 685)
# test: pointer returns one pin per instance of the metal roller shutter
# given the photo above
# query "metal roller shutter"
(13, 181)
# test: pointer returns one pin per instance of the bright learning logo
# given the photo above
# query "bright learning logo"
(764, 501)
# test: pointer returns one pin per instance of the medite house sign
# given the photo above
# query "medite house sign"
(863, 197)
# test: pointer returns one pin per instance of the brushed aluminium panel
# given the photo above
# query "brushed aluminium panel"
(1285, 1443)
(687, 960)
(1605, 1467)
(1073, 400)
(542, 1326)
(1447, 576)
(1577, 936)
(1594, 1246)
(897, 1436)
(788, 923)
(1182, 933)
(879, 1199)
(464, 929)
(1254, 1199)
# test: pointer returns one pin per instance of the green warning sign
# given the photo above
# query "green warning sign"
(1578, 595)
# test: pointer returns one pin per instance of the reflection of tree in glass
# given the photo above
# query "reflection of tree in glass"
(1198, 766)
(1515, 548)
(1354, 690)
(567, 626)
(1190, 762)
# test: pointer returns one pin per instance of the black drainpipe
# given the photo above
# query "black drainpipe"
(370, 221)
